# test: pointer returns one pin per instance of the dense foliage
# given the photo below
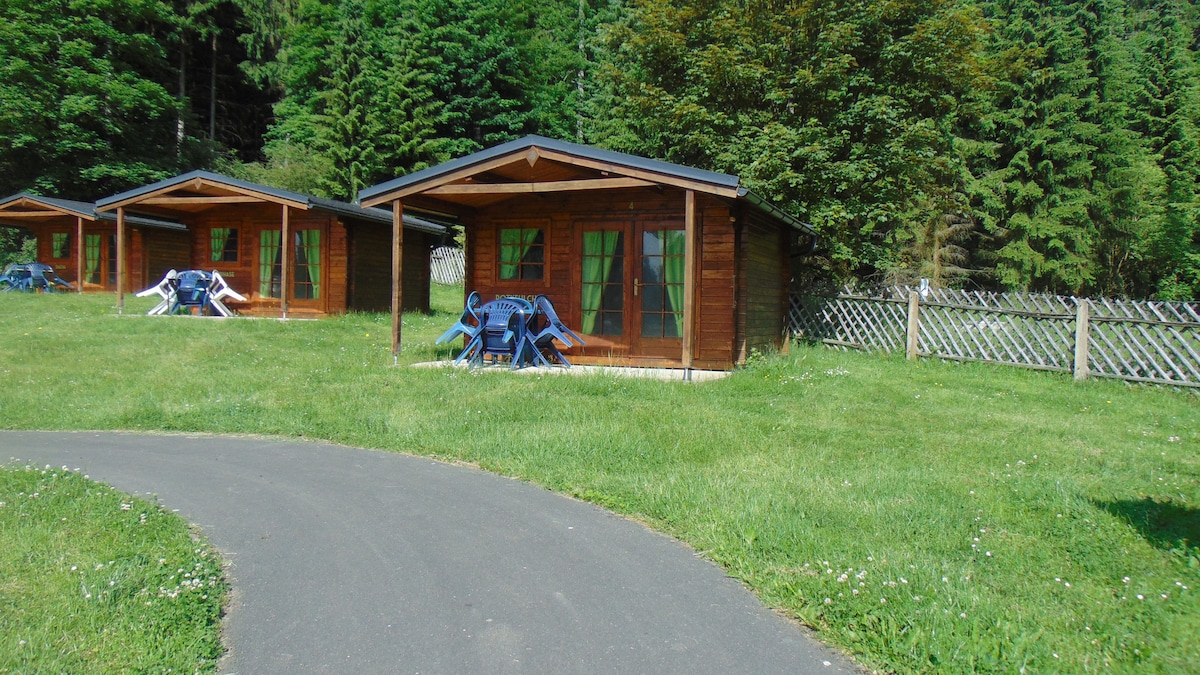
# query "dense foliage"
(1004, 144)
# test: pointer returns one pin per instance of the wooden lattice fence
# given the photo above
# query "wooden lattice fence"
(446, 265)
(1142, 341)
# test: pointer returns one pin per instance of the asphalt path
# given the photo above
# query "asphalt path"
(355, 561)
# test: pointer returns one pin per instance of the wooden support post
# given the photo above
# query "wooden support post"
(397, 274)
(689, 277)
(1081, 339)
(284, 241)
(120, 259)
(79, 250)
(914, 324)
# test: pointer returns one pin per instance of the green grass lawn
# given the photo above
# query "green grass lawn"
(94, 581)
(925, 517)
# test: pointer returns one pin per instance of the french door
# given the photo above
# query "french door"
(631, 287)
(306, 266)
(100, 260)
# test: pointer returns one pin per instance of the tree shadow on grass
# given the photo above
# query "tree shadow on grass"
(1165, 524)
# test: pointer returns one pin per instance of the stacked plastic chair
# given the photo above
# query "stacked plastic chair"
(504, 324)
(468, 325)
(539, 344)
(29, 277)
(183, 291)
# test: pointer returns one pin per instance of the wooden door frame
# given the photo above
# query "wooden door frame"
(653, 348)
(604, 345)
(322, 303)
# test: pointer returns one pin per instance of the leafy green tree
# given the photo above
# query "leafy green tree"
(842, 112)
(84, 106)
(16, 246)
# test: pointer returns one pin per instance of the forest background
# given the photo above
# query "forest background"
(1048, 146)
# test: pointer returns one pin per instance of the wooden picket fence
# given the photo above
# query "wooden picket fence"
(446, 265)
(1141, 341)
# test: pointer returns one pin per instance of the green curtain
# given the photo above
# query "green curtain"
(220, 235)
(510, 252)
(673, 251)
(527, 239)
(62, 245)
(593, 286)
(514, 244)
(268, 257)
(599, 249)
(311, 241)
(91, 247)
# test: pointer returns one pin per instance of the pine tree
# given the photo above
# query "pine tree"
(1037, 190)
(1172, 71)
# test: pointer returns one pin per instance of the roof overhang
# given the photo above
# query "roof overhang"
(198, 191)
(26, 210)
(539, 165)
(24, 206)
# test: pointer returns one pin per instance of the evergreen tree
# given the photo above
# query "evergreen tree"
(1171, 118)
(1038, 200)
(478, 74)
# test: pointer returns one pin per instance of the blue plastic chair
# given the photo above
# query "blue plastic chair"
(28, 277)
(16, 278)
(468, 325)
(542, 341)
(192, 290)
(504, 322)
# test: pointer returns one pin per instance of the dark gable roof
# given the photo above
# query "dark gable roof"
(84, 209)
(316, 203)
(217, 178)
(531, 141)
(88, 210)
(376, 215)
(607, 156)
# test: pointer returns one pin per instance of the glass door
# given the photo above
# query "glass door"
(306, 268)
(604, 287)
(306, 261)
(269, 264)
(658, 289)
(95, 259)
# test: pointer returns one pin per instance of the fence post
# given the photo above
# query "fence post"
(1081, 340)
(914, 324)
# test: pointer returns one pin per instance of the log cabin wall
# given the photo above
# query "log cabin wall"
(416, 275)
(716, 272)
(762, 285)
(65, 267)
(165, 250)
(564, 215)
(141, 262)
(243, 274)
(370, 268)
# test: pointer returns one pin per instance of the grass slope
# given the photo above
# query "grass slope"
(930, 517)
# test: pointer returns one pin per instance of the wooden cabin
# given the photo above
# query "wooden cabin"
(288, 253)
(655, 264)
(81, 243)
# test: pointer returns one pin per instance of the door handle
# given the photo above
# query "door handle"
(635, 286)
